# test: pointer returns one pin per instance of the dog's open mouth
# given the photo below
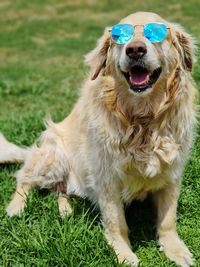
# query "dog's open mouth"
(139, 78)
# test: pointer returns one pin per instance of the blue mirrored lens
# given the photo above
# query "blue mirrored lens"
(155, 32)
(122, 33)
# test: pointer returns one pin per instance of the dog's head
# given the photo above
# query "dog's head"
(140, 64)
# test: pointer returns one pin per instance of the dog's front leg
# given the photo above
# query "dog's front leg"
(173, 247)
(114, 222)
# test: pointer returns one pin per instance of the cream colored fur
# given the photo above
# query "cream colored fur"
(117, 146)
(10, 152)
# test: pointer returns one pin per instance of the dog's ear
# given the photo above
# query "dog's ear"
(97, 58)
(185, 46)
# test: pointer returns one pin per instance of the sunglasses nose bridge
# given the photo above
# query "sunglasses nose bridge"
(138, 28)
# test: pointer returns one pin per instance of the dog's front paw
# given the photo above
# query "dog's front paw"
(130, 258)
(176, 251)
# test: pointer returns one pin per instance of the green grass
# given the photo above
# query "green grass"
(42, 44)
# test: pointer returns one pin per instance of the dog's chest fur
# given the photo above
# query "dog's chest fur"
(148, 172)
(140, 178)
(154, 155)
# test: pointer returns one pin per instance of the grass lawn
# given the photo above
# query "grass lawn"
(42, 43)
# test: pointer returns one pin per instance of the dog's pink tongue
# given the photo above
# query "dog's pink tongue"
(139, 77)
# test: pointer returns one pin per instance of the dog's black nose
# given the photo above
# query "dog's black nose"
(136, 50)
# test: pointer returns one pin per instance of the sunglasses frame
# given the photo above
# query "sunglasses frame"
(138, 25)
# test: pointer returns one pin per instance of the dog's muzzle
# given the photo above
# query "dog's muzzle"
(140, 78)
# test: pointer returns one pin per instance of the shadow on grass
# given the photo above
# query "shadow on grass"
(141, 220)
(140, 217)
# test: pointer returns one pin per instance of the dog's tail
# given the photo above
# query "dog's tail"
(10, 152)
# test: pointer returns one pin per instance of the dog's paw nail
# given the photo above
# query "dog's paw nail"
(161, 248)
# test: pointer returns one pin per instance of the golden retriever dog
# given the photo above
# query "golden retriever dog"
(128, 135)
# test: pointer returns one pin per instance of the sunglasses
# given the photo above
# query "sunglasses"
(155, 32)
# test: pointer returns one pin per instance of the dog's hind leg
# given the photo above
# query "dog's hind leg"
(18, 202)
(45, 167)
(64, 206)
(26, 179)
